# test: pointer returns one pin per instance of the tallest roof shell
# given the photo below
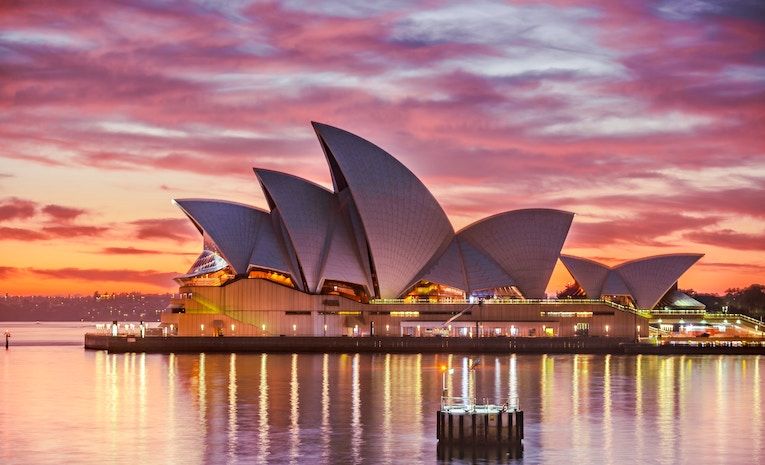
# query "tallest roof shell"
(403, 223)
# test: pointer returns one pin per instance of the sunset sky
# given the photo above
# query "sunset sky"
(646, 119)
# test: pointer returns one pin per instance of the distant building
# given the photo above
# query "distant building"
(378, 255)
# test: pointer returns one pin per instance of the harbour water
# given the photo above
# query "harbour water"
(62, 404)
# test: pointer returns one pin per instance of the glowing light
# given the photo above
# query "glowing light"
(404, 314)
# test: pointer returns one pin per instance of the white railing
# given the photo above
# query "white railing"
(471, 404)
(734, 317)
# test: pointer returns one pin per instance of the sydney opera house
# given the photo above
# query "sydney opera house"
(377, 255)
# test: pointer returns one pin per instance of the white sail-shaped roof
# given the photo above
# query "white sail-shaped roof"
(448, 268)
(481, 270)
(306, 210)
(588, 273)
(343, 261)
(615, 285)
(271, 253)
(403, 223)
(651, 277)
(646, 280)
(319, 236)
(231, 226)
(525, 243)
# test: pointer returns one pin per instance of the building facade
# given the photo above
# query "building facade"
(378, 256)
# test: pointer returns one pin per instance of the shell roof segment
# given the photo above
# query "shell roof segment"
(525, 243)
(448, 268)
(231, 226)
(317, 232)
(481, 270)
(588, 273)
(650, 278)
(402, 221)
(646, 279)
(306, 210)
(243, 234)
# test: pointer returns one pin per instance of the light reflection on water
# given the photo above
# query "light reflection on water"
(66, 405)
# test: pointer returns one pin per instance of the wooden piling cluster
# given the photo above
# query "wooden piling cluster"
(480, 428)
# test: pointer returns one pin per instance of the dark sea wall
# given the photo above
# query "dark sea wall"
(354, 344)
(562, 345)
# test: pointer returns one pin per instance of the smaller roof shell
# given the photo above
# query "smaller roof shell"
(525, 243)
(231, 226)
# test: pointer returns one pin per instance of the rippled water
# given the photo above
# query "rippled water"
(61, 404)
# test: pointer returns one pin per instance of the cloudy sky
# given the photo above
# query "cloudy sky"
(645, 118)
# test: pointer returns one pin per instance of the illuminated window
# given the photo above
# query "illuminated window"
(270, 275)
(351, 291)
(582, 329)
(567, 314)
(429, 292)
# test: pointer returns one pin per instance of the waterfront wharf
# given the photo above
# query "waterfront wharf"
(260, 344)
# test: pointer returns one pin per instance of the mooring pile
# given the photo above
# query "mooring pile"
(465, 422)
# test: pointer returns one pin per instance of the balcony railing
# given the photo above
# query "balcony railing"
(486, 405)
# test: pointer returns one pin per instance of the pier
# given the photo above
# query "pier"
(520, 345)
(176, 344)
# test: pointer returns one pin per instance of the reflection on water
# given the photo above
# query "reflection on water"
(65, 405)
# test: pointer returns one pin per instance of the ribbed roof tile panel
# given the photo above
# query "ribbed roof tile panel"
(233, 227)
(482, 272)
(404, 224)
(525, 243)
(614, 285)
(270, 252)
(650, 278)
(343, 261)
(588, 273)
(306, 210)
(448, 268)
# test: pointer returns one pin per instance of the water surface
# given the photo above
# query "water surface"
(62, 404)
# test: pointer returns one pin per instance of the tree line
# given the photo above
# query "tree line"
(748, 300)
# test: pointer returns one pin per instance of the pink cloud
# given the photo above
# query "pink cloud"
(588, 100)
(729, 239)
(62, 213)
(137, 251)
(75, 231)
(152, 277)
(176, 229)
(13, 208)
(20, 234)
